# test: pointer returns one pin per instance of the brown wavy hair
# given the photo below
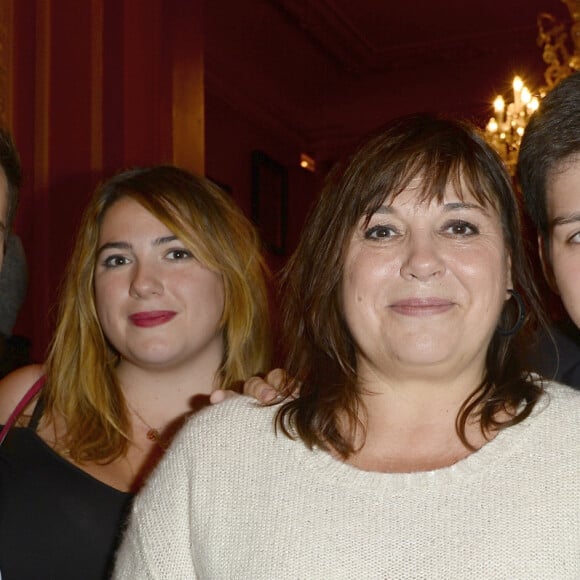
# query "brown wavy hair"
(322, 353)
(81, 367)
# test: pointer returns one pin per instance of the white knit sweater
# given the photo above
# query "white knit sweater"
(233, 500)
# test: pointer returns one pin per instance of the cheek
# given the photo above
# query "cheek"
(206, 293)
(566, 269)
(370, 272)
(218, 296)
(365, 285)
(105, 299)
(487, 266)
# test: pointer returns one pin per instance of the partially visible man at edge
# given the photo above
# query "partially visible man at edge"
(549, 176)
(10, 180)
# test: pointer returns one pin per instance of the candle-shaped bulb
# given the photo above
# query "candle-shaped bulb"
(518, 85)
(533, 105)
(526, 95)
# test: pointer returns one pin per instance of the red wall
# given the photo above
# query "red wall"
(231, 136)
(96, 87)
(100, 86)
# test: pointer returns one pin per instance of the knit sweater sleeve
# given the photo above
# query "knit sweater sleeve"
(156, 543)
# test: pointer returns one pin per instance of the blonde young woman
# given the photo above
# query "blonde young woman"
(163, 302)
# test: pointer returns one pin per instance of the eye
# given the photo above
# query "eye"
(460, 228)
(115, 261)
(574, 238)
(380, 232)
(179, 254)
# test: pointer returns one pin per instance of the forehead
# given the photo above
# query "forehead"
(419, 191)
(563, 186)
(126, 217)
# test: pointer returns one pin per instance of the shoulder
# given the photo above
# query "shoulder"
(559, 409)
(14, 386)
(561, 395)
(237, 424)
(237, 415)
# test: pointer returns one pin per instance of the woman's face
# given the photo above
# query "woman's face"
(424, 285)
(157, 305)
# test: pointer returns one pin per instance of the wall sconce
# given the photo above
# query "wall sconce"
(307, 162)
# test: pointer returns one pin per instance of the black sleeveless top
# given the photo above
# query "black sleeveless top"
(56, 521)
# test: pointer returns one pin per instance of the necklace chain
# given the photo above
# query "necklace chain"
(152, 433)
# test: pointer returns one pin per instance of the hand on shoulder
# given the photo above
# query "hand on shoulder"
(265, 390)
(14, 386)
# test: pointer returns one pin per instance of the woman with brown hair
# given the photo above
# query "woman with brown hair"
(164, 301)
(420, 446)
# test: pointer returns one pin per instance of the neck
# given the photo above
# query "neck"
(433, 390)
(164, 394)
(411, 424)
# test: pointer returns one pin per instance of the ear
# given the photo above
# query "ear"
(543, 250)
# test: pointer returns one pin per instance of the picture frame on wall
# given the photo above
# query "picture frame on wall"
(270, 201)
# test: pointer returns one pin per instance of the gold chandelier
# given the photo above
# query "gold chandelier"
(506, 128)
(561, 53)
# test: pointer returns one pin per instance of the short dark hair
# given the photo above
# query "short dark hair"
(551, 138)
(10, 163)
(322, 354)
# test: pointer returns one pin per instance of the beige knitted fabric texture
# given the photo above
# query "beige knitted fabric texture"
(234, 500)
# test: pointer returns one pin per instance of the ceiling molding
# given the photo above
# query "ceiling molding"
(336, 35)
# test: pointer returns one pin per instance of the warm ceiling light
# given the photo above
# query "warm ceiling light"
(506, 128)
(307, 162)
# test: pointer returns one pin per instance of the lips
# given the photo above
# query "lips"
(151, 318)
(421, 306)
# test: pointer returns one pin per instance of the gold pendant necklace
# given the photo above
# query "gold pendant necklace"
(152, 433)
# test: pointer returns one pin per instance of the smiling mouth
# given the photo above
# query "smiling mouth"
(421, 307)
(152, 318)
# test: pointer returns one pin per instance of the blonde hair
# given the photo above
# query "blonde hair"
(82, 385)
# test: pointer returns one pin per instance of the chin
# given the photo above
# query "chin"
(155, 359)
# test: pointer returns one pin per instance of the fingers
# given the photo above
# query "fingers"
(264, 390)
(276, 378)
(258, 388)
(220, 395)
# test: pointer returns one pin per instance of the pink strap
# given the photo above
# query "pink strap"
(30, 394)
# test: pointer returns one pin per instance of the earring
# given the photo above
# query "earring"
(520, 316)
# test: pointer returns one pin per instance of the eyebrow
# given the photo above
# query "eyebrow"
(128, 246)
(447, 207)
(567, 219)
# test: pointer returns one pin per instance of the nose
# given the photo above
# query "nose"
(145, 281)
(422, 259)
